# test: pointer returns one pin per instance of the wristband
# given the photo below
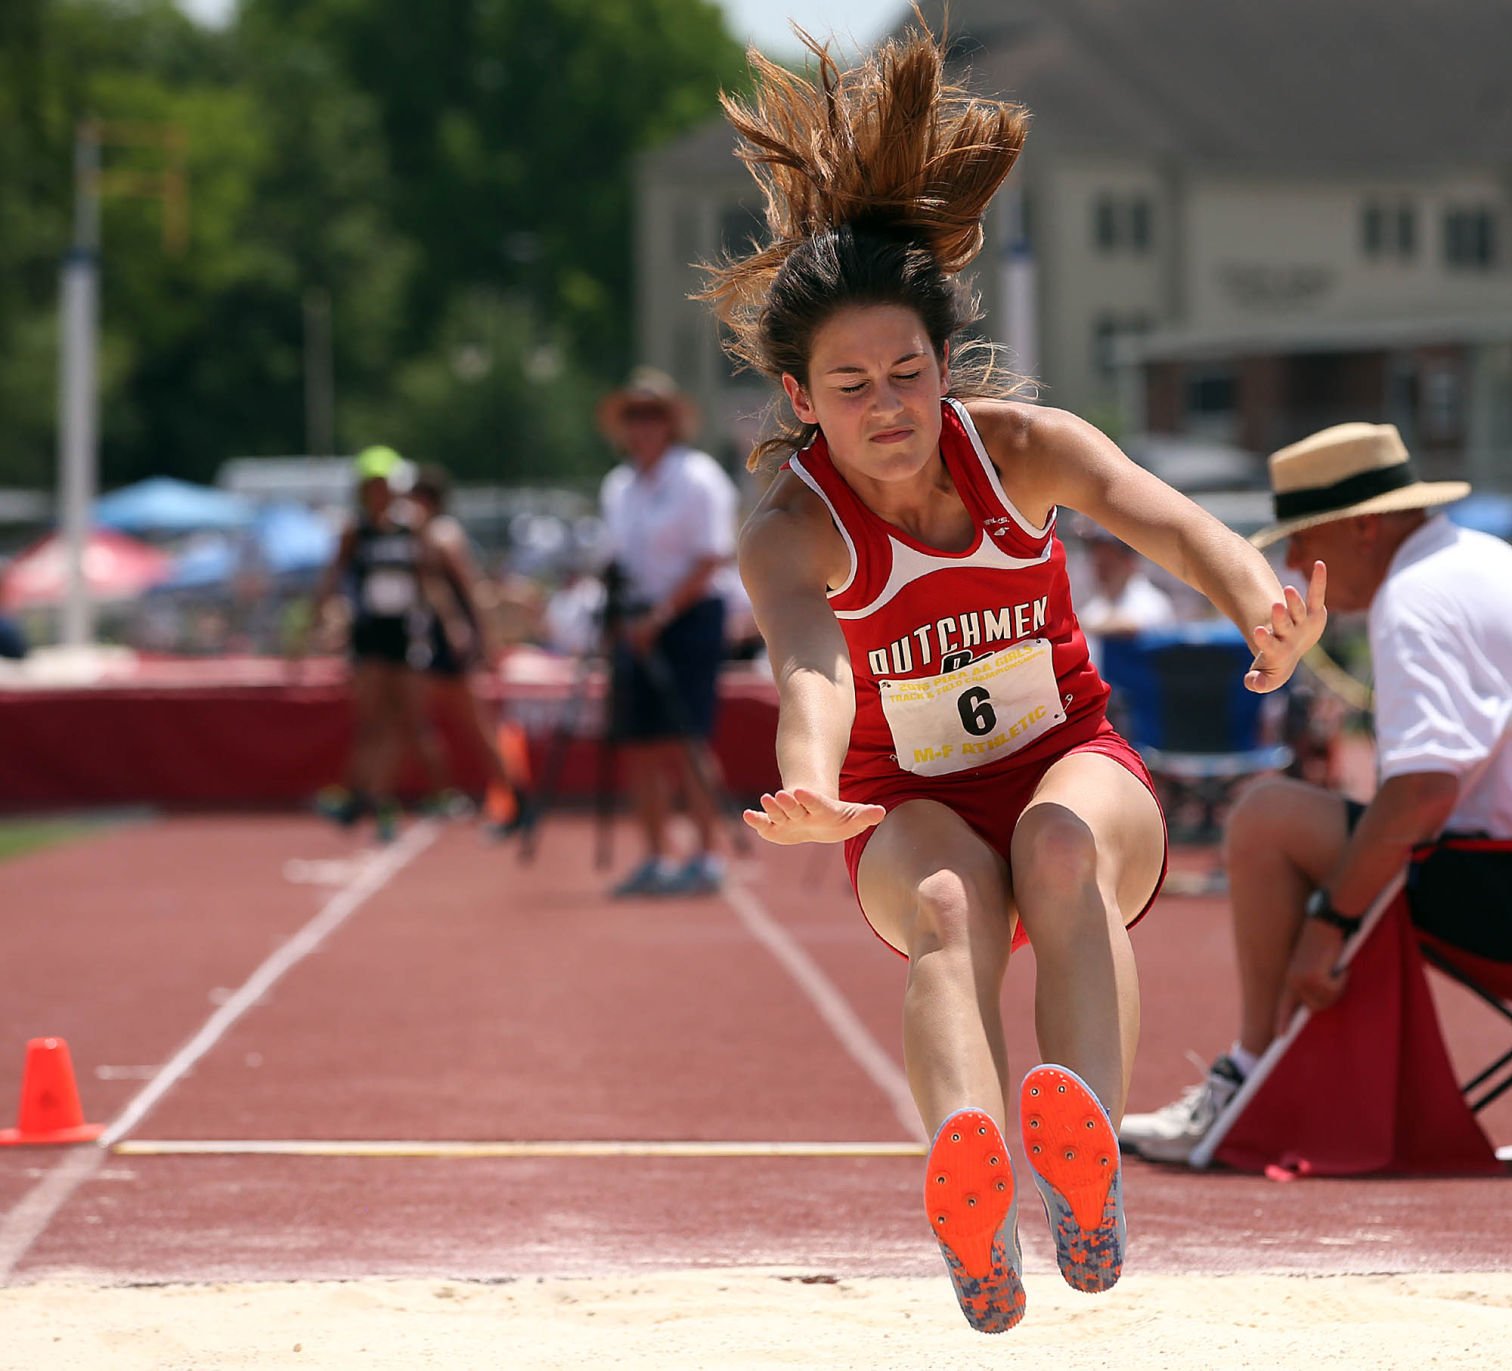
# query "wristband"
(1320, 907)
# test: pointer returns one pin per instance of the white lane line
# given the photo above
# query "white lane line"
(831, 1005)
(338, 909)
(27, 1221)
(570, 1147)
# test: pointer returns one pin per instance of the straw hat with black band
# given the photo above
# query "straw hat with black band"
(647, 388)
(1347, 470)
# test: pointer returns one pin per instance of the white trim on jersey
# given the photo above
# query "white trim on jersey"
(808, 480)
(910, 564)
(992, 475)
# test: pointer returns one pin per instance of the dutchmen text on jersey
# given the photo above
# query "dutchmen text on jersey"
(961, 660)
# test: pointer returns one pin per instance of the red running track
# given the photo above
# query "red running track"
(459, 996)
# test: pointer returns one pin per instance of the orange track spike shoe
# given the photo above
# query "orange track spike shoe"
(973, 1209)
(1073, 1152)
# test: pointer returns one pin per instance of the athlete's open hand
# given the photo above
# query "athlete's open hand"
(1296, 624)
(804, 816)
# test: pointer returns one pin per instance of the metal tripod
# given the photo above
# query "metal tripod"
(606, 767)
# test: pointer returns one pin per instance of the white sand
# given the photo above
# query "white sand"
(740, 1319)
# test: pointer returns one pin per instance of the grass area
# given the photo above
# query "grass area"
(27, 835)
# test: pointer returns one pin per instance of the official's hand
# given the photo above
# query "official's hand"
(1295, 625)
(1313, 976)
(804, 816)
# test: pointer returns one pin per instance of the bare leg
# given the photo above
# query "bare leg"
(648, 765)
(500, 767)
(701, 783)
(367, 725)
(1086, 855)
(1283, 839)
(412, 728)
(452, 698)
(933, 888)
(394, 727)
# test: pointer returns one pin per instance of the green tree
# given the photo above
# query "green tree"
(512, 127)
(454, 177)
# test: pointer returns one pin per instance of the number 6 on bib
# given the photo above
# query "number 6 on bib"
(979, 713)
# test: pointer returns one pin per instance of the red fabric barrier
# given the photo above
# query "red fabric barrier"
(260, 733)
(1366, 1087)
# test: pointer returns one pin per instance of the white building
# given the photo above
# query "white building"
(1237, 221)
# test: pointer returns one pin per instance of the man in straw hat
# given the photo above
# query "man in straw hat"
(1305, 863)
(670, 515)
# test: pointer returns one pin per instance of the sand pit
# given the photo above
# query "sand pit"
(739, 1319)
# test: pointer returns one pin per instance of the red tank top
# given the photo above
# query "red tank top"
(962, 661)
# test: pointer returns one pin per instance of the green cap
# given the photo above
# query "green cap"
(377, 463)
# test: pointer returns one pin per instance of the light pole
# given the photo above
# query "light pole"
(78, 393)
(78, 388)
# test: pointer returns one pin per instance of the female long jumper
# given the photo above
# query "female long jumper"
(938, 714)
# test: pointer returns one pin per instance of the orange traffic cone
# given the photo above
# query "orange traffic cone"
(50, 1111)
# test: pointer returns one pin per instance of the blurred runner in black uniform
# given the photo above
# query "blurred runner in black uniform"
(459, 646)
(385, 562)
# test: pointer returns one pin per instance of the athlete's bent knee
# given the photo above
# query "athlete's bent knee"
(1054, 853)
(948, 904)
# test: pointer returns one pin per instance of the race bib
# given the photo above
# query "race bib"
(988, 709)
(388, 592)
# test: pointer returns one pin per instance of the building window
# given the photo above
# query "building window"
(1108, 330)
(1122, 224)
(1373, 230)
(1212, 404)
(1388, 229)
(1470, 238)
(1406, 227)
(1104, 336)
(1212, 394)
(1441, 401)
(1105, 223)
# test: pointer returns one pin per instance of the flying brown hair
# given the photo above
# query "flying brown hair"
(886, 157)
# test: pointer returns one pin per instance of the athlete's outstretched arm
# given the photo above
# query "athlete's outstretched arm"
(1059, 459)
(786, 562)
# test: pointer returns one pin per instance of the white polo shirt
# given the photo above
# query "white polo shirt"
(662, 523)
(1441, 645)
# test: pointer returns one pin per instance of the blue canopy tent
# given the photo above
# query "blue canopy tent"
(1489, 511)
(162, 504)
(292, 538)
(283, 540)
(209, 561)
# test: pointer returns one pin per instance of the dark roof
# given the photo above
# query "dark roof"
(1372, 85)
(1375, 86)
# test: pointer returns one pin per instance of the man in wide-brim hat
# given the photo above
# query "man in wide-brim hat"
(1305, 863)
(647, 396)
(669, 519)
(1345, 472)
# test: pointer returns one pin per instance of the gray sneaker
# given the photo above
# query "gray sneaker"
(1170, 1134)
(652, 877)
(702, 875)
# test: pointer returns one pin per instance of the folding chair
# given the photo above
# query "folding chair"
(1461, 888)
(1180, 699)
(1490, 982)
(1364, 1087)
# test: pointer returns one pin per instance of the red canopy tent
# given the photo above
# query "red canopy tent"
(115, 567)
